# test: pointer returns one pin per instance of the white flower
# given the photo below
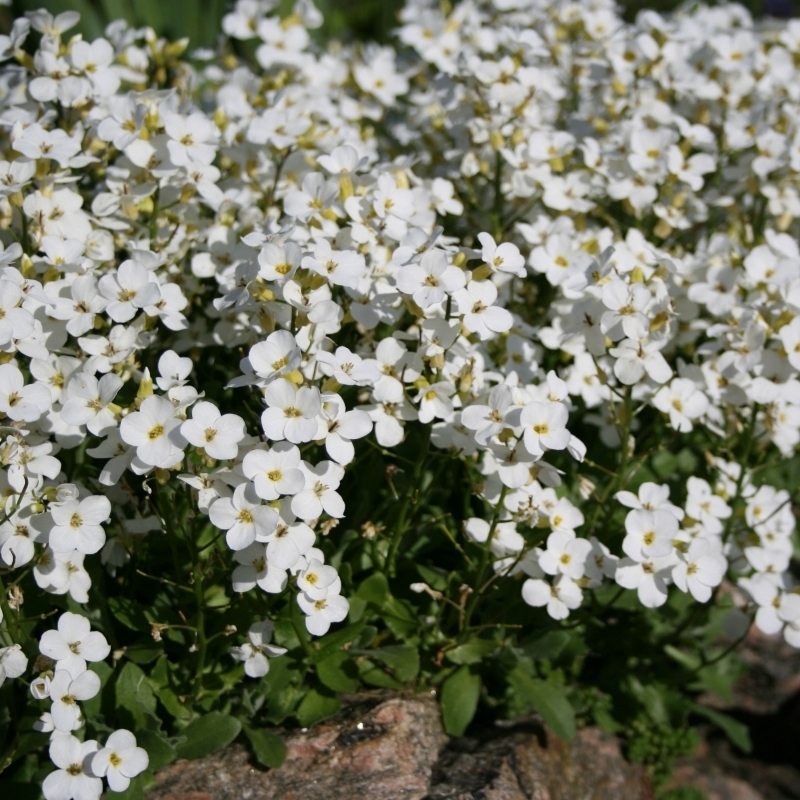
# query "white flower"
(600, 563)
(62, 573)
(505, 539)
(321, 613)
(544, 427)
(705, 506)
(155, 433)
(317, 195)
(647, 577)
(683, 402)
(292, 412)
(122, 126)
(488, 420)
(434, 401)
(340, 267)
(191, 138)
(279, 263)
(634, 359)
(78, 525)
(13, 662)
(563, 596)
(218, 434)
(278, 355)
(565, 555)
(319, 493)
(565, 517)
(503, 257)
(255, 570)
(431, 279)
(243, 517)
(120, 760)
(87, 401)
(19, 402)
(347, 368)
(775, 607)
(79, 311)
(480, 315)
(626, 304)
(790, 338)
(74, 778)
(342, 427)
(15, 322)
(701, 568)
(317, 579)
(254, 652)
(73, 644)
(288, 543)
(275, 472)
(649, 534)
(388, 414)
(651, 497)
(66, 691)
(173, 370)
(128, 289)
(18, 534)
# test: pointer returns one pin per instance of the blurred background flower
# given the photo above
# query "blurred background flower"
(347, 19)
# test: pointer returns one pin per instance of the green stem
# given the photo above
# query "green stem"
(485, 558)
(409, 496)
(153, 222)
(300, 627)
(622, 471)
(748, 447)
(202, 641)
(497, 213)
(9, 616)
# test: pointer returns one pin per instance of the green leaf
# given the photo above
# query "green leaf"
(374, 589)
(136, 701)
(402, 659)
(208, 734)
(269, 749)
(547, 700)
(687, 660)
(129, 613)
(401, 617)
(736, 731)
(357, 608)
(459, 700)
(92, 708)
(435, 578)
(472, 652)
(160, 752)
(316, 705)
(374, 675)
(333, 642)
(338, 672)
(144, 651)
(170, 700)
(651, 699)
(366, 637)
(549, 646)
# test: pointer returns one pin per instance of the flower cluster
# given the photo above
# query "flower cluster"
(80, 765)
(513, 261)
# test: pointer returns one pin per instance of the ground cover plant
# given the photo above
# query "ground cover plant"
(466, 365)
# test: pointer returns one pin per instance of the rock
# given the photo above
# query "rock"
(395, 749)
(716, 785)
(727, 774)
(534, 765)
(384, 752)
